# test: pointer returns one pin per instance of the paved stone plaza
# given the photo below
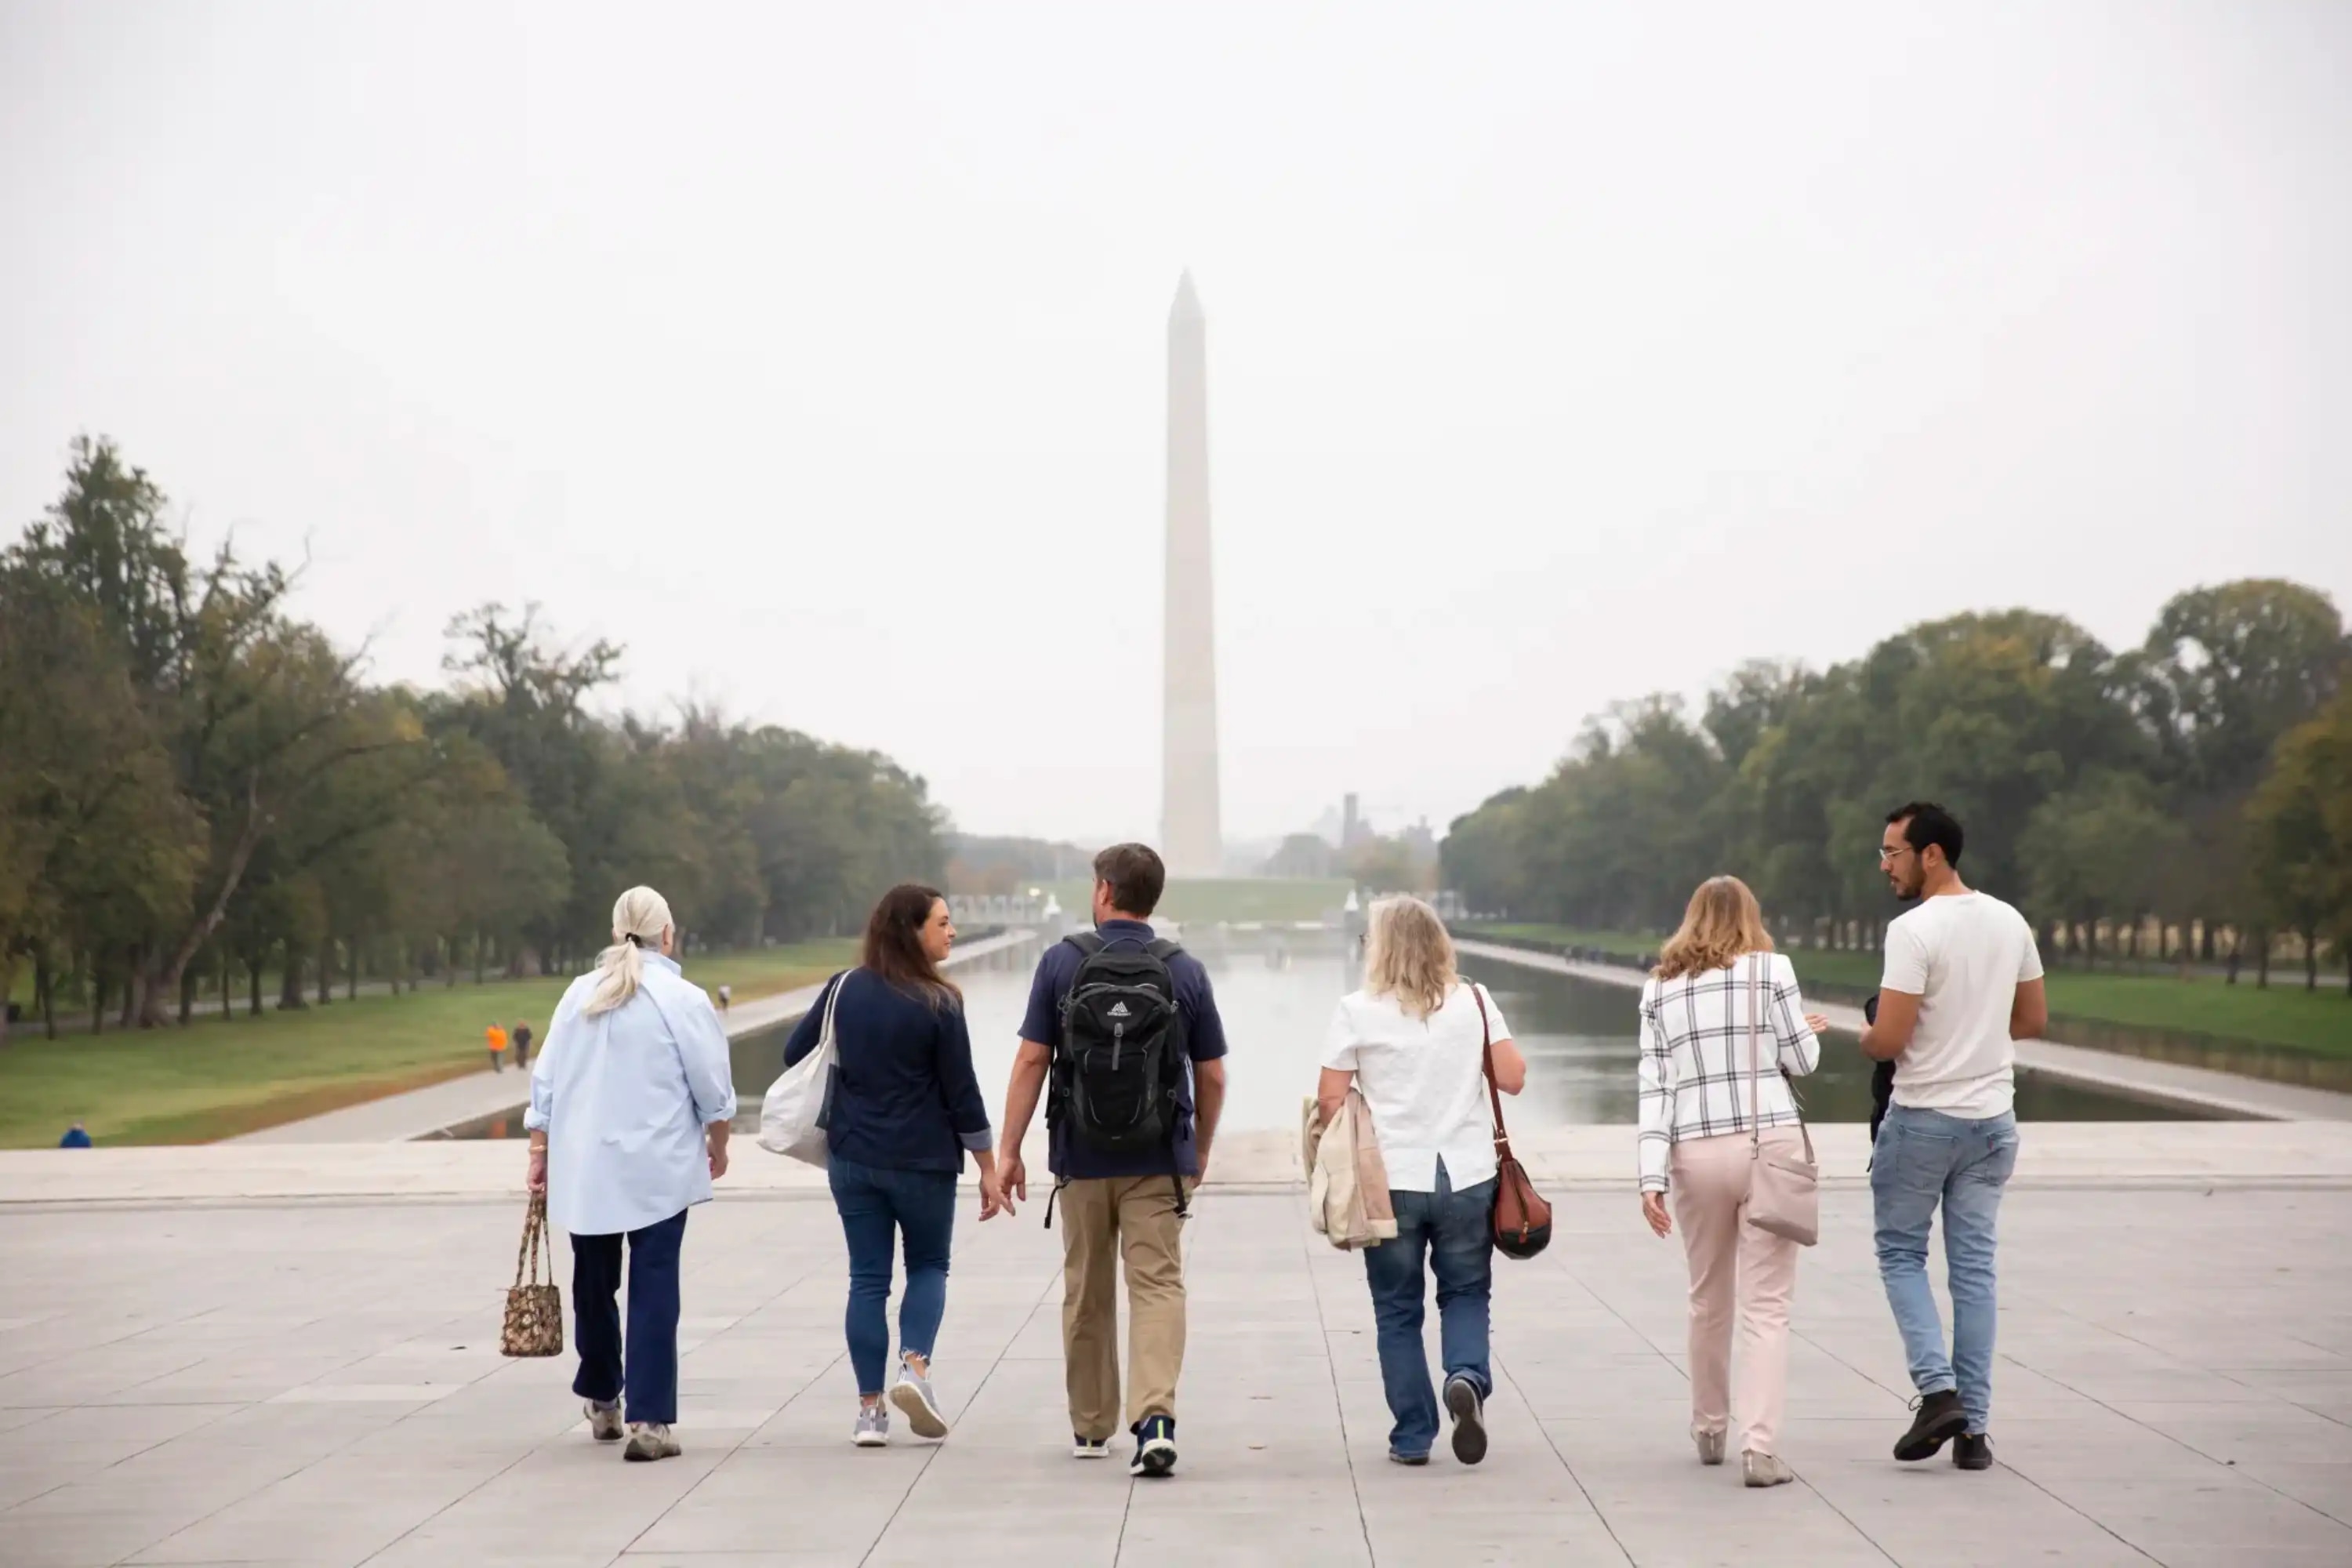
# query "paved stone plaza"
(318, 1382)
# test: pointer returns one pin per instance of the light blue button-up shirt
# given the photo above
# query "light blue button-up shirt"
(624, 1097)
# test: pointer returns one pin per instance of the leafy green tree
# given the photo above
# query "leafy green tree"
(2228, 669)
(95, 845)
(2095, 785)
(2301, 822)
(2098, 851)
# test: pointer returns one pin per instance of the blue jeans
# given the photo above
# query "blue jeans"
(651, 1370)
(1924, 1158)
(1457, 1230)
(917, 1206)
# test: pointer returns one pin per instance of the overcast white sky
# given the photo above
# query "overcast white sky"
(1557, 353)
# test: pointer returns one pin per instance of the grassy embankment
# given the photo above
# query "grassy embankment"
(216, 1079)
(2282, 1014)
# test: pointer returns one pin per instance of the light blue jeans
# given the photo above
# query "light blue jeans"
(1454, 1232)
(1924, 1158)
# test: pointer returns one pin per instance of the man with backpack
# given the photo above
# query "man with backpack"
(1122, 1038)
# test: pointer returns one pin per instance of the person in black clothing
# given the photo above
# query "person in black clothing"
(903, 1109)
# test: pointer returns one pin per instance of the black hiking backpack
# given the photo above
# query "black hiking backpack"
(1118, 1073)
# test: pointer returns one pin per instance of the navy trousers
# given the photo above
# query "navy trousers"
(649, 1365)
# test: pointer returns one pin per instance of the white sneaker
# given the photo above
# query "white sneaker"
(873, 1429)
(913, 1397)
(603, 1421)
(651, 1440)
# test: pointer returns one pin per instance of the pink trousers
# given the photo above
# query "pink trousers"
(1736, 1270)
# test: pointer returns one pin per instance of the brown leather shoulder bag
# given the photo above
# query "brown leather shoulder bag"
(1522, 1218)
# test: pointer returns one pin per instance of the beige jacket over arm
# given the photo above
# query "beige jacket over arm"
(1347, 1184)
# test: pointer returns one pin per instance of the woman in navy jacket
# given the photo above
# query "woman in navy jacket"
(903, 1109)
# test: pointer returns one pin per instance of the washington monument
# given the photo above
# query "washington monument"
(1190, 836)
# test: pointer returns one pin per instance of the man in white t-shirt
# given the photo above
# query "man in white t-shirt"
(1962, 984)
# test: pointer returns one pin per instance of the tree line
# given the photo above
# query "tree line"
(197, 787)
(2192, 794)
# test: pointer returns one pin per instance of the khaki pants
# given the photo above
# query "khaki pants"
(1735, 1269)
(1128, 1219)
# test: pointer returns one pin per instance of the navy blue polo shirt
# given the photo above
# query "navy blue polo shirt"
(1205, 1041)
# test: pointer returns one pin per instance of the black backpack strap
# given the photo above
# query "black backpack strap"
(1163, 948)
(1087, 942)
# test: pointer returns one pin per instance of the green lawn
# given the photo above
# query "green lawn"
(2282, 1014)
(1629, 944)
(216, 1079)
(1237, 899)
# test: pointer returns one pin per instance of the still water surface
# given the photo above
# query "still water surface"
(1579, 1037)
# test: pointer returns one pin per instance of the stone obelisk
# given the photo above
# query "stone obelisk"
(1191, 838)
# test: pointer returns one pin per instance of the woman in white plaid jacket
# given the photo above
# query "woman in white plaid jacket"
(1720, 999)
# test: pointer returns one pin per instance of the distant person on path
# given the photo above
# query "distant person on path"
(1125, 1027)
(1702, 1108)
(523, 1045)
(631, 1104)
(1962, 984)
(726, 999)
(495, 1039)
(76, 1137)
(903, 1111)
(1413, 1040)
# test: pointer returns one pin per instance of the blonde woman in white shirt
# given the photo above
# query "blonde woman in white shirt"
(1695, 1096)
(1412, 1040)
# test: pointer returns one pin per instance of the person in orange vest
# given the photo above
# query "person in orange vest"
(497, 1039)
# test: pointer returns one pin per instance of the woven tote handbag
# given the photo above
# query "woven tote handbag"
(534, 1325)
(1784, 1196)
(1522, 1218)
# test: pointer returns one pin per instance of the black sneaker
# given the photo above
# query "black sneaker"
(1155, 1446)
(1397, 1459)
(1468, 1408)
(1972, 1451)
(1940, 1419)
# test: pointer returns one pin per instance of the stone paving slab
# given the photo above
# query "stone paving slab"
(2231, 1093)
(318, 1384)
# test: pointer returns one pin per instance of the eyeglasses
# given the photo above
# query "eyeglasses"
(1885, 854)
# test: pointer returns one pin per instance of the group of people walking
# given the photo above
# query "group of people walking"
(1123, 1049)
(495, 1039)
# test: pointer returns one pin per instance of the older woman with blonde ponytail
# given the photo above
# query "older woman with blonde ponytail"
(631, 1101)
(1718, 979)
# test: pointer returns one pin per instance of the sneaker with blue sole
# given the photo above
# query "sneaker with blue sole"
(1155, 1447)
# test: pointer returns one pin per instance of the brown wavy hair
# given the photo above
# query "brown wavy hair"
(1723, 923)
(894, 945)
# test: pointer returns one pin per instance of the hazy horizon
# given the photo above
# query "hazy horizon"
(1553, 358)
